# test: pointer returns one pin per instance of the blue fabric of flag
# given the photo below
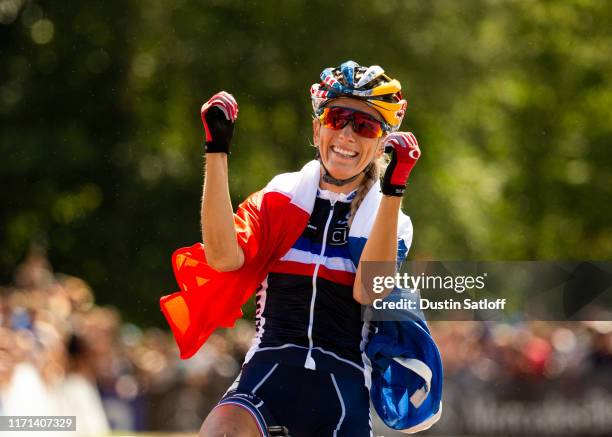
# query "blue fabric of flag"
(402, 397)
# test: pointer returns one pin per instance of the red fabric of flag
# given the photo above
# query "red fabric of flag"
(267, 224)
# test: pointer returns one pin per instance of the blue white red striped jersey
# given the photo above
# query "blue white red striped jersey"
(306, 301)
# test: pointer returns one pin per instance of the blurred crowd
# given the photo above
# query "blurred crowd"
(61, 354)
(495, 352)
(526, 378)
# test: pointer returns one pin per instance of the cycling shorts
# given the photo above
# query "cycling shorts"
(310, 403)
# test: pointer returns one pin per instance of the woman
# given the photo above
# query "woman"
(306, 369)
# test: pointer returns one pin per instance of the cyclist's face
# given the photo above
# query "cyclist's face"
(343, 152)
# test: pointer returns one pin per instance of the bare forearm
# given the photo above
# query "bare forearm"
(381, 246)
(218, 233)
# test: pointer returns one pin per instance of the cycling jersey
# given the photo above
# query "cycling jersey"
(310, 335)
(306, 301)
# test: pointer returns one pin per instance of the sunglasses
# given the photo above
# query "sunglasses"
(364, 124)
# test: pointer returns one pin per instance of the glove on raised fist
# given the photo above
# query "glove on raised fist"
(405, 152)
(218, 117)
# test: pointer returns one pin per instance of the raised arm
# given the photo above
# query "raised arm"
(218, 233)
(382, 242)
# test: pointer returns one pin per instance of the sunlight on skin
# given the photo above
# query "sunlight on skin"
(329, 140)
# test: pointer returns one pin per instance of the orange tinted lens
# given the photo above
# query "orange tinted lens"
(335, 118)
(366, 126)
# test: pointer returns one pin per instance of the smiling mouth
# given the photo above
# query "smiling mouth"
(345, 153)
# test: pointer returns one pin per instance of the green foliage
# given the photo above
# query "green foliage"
(100, 138)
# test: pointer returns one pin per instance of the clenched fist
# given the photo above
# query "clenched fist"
(405, 152)
(218, 116)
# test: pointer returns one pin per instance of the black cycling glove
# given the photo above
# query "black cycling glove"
(218, 117)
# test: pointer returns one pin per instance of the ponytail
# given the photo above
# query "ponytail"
(370, 177)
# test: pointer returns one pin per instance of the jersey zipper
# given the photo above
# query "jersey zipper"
(310, 362)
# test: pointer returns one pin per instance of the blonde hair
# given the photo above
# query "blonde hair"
(373, 174)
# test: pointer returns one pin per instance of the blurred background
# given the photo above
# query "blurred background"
(101, 172)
